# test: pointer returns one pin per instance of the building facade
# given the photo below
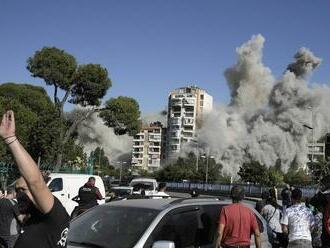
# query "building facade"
(316, 152)
(148, 150)
(186, 107)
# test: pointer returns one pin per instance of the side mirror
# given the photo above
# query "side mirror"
(163, 244)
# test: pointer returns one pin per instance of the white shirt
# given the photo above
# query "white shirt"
(272, 216)
(299, 220)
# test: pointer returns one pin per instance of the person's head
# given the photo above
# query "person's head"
(194, 193)
(25, 200)
(91, 181)
(11, 193)
(325, 185)
(265, 195)
(237, 193)
(162, 187)
(296, 195)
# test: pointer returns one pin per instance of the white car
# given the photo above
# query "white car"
(148, 185)
(152, 223)
(66, 186)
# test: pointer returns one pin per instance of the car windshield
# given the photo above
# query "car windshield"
(142, 185)
(109, 226)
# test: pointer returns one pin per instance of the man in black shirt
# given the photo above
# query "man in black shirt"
(89, 194)
(9, 219)
(46, 221)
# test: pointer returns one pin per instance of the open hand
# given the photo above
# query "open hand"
(7, 127)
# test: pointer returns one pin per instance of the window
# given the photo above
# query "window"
(180, 226)
(56, 185)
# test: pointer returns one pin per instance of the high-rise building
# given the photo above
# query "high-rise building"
(186, 107)
(148, 148)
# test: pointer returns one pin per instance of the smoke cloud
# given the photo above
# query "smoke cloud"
(93, 133)
(264, 120)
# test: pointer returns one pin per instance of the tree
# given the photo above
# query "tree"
(319, 170)
(84, 84)
(122, 113)
(100, 160)
(254, 172)
(298, 177)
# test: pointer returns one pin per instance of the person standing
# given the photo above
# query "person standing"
(272, 214)
(237, 223)
(9, 220)
(286, 196)
(88, 195)
(46, 221)
(298, 221)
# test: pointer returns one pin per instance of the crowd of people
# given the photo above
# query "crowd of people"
(297, 222)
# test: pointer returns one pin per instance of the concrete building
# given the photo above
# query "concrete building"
(186, 107)
(316, 151)
(148, 150)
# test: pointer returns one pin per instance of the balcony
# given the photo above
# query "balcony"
(137, 146)
(155, 137)
(152, 151)
(188, 121)
(137, 160)
(138, 138)
(176, 102)
(189, 102)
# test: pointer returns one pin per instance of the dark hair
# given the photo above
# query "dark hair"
(10, 190)
(265, 195)
(91, 179)
(237, 193)
(296, 194)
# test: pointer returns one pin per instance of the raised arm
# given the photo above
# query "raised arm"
(42, 197)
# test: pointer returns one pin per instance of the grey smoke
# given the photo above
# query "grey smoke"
(265, 118)
(92, 133)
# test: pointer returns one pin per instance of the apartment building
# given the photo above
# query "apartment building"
(186, 107)
(148, 149)
(316, 152)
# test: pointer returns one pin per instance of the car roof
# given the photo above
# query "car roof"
(72, 175)
(161, 204)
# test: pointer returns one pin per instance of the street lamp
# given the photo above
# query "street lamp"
(121, 168)
(207, 167)
(312, 128)
(197, 152)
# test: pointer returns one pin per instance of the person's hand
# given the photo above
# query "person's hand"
(7, 127)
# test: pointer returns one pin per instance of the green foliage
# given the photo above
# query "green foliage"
(123, 114)
(254, 172)
(185, 168)
(92, 83)
(298, 177)
(53, 65)
(275, 176)
(100, 160)
(319, 170)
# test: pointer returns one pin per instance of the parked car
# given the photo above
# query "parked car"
(152, 223)
(120, 192)
(66, 186)
(147, 185)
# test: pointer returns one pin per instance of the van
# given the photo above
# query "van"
(66, 186)
(149, 185)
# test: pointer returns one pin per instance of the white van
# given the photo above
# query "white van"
(149, 185)
(66, 186)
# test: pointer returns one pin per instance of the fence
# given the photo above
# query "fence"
(224, 189)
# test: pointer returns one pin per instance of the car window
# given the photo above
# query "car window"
(109, 226)
(56, 185)
(180, 226)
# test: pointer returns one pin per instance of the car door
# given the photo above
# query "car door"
(179, 226)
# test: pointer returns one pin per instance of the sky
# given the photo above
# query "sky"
(151, 47)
